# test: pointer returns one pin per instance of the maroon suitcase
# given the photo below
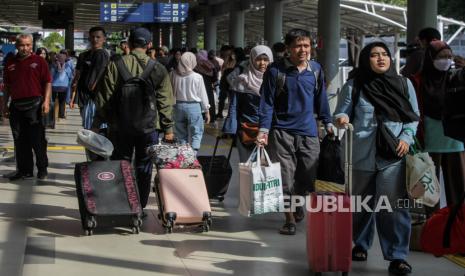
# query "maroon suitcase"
(329, 232)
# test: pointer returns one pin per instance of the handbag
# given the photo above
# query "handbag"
(444, 232)
(248, 133)
(173, 156)
(386, 142)
(421, 180)
(260, 185)
(330, 162)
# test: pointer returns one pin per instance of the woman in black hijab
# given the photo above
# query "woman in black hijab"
(433, 82)
(376, 100)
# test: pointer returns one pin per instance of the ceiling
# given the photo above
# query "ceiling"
(357, 17)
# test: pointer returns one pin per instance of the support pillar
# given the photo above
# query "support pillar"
(166, 35)
(236, 24)
(420, 14)
(210, 28)
(69, 37)
(273, 21)
(177, 35)
(156, 35)
(329, 21)
(192, 34)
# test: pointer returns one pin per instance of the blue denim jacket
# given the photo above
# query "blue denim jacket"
(364, 153)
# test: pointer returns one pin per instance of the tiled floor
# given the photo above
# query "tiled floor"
(41, 235)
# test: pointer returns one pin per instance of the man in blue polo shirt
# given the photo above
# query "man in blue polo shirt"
(293, 91)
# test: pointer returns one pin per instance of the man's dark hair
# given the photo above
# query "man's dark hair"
(429, 34)
(295, 35)
(279, 47)
(96, 29)
(240, 54)
(226, 48)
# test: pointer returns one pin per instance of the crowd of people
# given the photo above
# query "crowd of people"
(276, 98)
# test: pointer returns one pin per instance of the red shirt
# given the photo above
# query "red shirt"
(26, 78)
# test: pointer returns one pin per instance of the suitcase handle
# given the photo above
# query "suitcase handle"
(218, 138)
(348, 136)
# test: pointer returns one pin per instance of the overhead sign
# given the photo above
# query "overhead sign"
(143, 12)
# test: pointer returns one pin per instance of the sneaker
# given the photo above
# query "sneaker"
(42, 174)
(18, 176)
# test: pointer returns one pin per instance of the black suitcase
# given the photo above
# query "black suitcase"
(217, 172)
(107, 192)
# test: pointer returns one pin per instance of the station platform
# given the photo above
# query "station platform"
(41, 234)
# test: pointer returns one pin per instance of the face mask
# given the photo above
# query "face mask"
(442, 64)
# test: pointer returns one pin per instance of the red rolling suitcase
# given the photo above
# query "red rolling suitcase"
(329, 232)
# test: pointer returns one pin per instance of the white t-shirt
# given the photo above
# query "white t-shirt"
(190, 88)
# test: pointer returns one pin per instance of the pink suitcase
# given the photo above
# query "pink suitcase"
(329, 234)
(182, 198)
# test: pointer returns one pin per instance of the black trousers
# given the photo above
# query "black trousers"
(61, 96)
(125, 145)
(28, 134)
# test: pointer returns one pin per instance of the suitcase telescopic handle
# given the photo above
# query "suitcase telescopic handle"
(214, 154)
(225, 164)
(348, 136)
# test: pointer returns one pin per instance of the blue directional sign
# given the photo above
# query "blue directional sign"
(143, 12)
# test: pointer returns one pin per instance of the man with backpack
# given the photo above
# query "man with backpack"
(293, 90)
(88, 73)
(136, 101)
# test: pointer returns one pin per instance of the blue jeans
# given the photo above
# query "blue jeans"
(393, 227)
(188, 123)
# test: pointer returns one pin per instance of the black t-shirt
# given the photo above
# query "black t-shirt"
(91, 65)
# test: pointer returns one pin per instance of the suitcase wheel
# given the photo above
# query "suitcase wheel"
(168, 228)
(91, 222)
(205, 226)
(345, 273)
(88, 232)
(318, 274)
(135, 230)
(137, 221)
(170, 218)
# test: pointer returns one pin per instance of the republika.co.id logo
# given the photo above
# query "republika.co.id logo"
(106, 176)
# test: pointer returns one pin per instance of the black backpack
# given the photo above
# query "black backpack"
(135, 100)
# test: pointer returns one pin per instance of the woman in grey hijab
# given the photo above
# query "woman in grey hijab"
(191, 101)
(246, 81)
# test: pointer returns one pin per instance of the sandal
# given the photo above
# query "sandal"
(359, 254)
(400, 267)
(299, 214)
(288, 229)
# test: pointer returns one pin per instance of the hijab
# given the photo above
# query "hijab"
(433, 85)
(204, 66)
(251, 79)
(186, 64)
(384, 91)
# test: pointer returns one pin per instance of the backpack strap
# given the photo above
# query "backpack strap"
(148, 69)
(123, 69)
(316, 70)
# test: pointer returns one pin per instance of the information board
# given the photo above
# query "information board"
(143, 12)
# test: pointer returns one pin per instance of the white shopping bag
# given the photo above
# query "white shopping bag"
(261, 188)
(422, 183)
